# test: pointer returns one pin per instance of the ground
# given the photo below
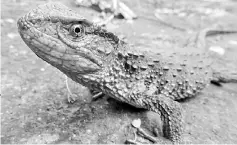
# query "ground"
(34, 106)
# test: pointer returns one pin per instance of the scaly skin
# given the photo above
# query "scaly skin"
(99, 60)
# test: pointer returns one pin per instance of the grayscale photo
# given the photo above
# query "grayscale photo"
(119, 72)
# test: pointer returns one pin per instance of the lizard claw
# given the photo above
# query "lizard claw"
(134, 141)
(129, 141)
(71, 98)
(96, 95)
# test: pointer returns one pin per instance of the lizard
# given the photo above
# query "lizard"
(98, 59)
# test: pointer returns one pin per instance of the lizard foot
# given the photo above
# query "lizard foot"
(134, 141)
(143, 134)
(71, 98)
(139, 131)
(171, 117)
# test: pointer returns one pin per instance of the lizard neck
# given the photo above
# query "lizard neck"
(113, 63)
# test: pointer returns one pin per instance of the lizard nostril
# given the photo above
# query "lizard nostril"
(34, 21)
(20, 24)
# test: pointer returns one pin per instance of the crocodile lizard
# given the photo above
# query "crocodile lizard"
(99, 60)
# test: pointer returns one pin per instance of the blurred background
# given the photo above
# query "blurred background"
(34, 107)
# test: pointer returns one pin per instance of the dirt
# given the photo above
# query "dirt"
(34, 107)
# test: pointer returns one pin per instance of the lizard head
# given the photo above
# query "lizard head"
(66, 40)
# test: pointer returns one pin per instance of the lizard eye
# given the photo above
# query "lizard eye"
(77, 30)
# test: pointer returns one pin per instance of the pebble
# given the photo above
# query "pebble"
(11, 47)
(39, 118)
(9, 20)
(136, 123)
(12, 35)
(217, 49)
(88, 131)
(233, 42)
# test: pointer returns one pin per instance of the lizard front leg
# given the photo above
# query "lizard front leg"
(72, 97)
(171, 115)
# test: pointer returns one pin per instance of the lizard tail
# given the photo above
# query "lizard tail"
(222, 72)
(199, 39)
(224, 76)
